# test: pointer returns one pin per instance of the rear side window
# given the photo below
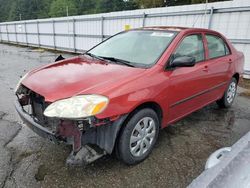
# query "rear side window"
(216, 46)
(192, 46)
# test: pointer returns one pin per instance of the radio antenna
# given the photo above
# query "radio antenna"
(205, 15)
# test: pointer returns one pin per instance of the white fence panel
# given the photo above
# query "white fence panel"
(86, 43)
(31, 27)
(12, 37)
(21, 38)
(46, 40)
(32, 39)
(245, 48)
(114, 26)
(88, 27)
(45, 27)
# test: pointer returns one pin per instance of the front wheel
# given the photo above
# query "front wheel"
(138, 136)
(227, 100)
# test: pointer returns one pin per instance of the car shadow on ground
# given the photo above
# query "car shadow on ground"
(180, 153)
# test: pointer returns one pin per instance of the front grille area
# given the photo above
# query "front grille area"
(35, 106)
(38, 105)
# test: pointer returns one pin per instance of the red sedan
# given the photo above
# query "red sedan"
(119, 94)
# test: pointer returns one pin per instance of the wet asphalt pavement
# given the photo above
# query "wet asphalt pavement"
(26, 160)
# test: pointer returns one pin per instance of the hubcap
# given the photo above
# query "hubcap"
(142, 136)
(231, 92)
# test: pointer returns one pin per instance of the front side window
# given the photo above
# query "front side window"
(139, 47)
(216, 46)
(191, 46)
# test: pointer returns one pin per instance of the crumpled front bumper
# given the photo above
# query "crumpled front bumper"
(104, 136)
(37, 128)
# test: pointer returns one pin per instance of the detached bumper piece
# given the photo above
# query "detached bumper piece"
(90, 138)
(84, 156)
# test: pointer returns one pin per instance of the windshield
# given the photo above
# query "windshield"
(138, 47)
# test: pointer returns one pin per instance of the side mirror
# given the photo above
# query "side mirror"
(183, 61)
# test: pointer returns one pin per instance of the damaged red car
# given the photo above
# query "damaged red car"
(119, 94)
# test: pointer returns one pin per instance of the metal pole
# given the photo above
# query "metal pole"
(102, 27)
(15, 33)
(144, 19)
(74, 34)
(7, 30)
(26, 35)
(38, 33)
(67, 11)
(69, 41)
(205, 14)
(210, 18)
(54, 35)
(0, 33)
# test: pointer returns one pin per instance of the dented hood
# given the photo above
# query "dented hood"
(78, 75)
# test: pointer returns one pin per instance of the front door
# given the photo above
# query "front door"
(187, 84)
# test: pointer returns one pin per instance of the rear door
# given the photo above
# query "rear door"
(219, 61)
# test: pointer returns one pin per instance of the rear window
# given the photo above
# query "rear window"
(216, 46)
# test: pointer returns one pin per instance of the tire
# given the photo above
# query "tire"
(136, 140)
(228, 98)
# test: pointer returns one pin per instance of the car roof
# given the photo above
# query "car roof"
(176, 28)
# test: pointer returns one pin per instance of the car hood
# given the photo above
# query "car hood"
(78, 75)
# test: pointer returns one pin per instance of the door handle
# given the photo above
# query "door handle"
(230, 61)
(205, 68)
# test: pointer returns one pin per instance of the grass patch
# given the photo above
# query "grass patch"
(245, 83)
(245, 94)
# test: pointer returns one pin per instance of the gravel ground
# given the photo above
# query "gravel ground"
(26, 160)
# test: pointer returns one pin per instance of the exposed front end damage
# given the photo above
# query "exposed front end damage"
(91, 138)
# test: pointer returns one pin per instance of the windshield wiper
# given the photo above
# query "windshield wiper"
(124, 62)
(121, 61)
(94, 56)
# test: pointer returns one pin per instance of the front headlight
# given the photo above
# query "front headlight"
(20, 81)
(77, 107)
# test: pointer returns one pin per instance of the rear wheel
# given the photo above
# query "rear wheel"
(138, 137)
(227, 100)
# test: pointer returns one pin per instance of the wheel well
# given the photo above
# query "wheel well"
(237, 77)
(153, 105)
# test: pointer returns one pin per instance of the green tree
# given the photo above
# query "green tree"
(43, 11)
(86, 6)
(12, 13)
(10, 10)
(115, 5)
(186, 2)
(177, 2)
(150, 3)
(33, 9)
(59, 8)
